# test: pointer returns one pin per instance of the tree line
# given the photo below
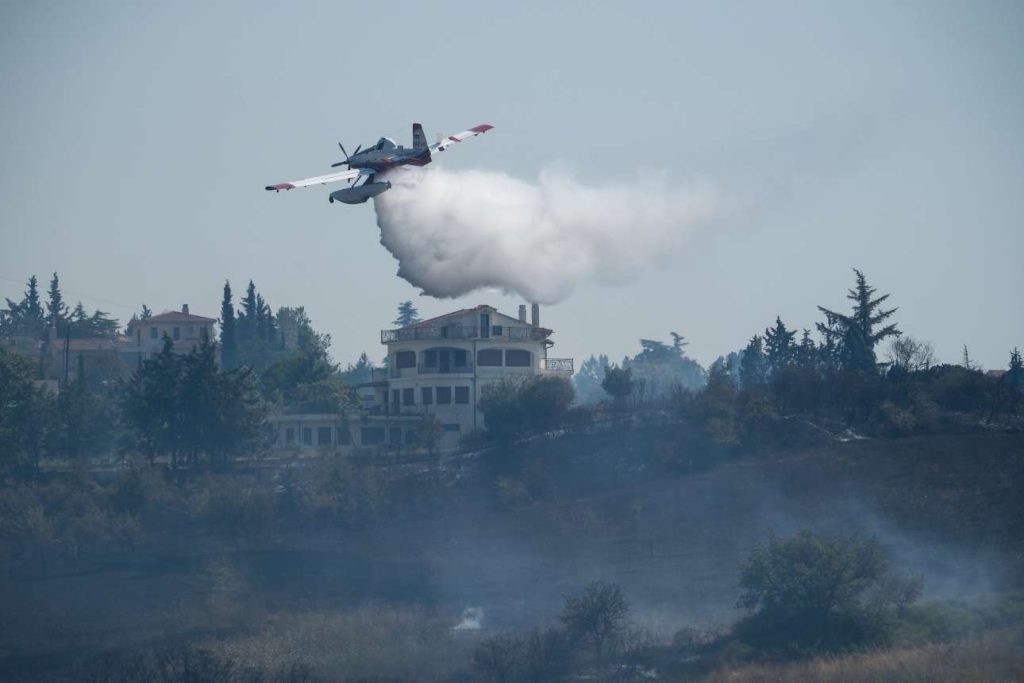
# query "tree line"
(32, 317)
(861, 372)
(199, 408)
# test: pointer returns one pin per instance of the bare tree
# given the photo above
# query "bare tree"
(597, 615)
(911, 355)
(497, 657)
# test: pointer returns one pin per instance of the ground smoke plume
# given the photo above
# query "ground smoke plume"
(454, 232)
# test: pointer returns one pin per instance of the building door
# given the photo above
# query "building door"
(485, 325)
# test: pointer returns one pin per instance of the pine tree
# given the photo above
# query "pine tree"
(587, 381)
(100, 324)
(779, 346)
(806, 352)
(56, 311)
(78, 314)
(1014, 377)
(228, 340)
(857, 336)
(618, 382)
(146, 313)
(26, 318)
(266, 329)
(407, 315)
(678, 342)
(966, 360)
(753, 372)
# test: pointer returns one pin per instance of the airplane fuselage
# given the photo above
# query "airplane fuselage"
(386, 155)
(365, 164)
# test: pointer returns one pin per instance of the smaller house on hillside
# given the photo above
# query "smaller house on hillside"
(185, 330)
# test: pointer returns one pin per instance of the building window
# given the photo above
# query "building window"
(371, 436)
(517, 358)
(191, 331)
(344, 436)
(488, 358)
(323, 436)
(452, 427)
(205, 333)
(426, 395)
(430, 358)
(405, 359)
(152, 333)
(485, 325)
(289, 435)
(307, 436)
(462, 395)
(408, 397)
(460, 358)
(177, 333)
(396, 436)
(444, 395)
(496, 330)
(395, 399)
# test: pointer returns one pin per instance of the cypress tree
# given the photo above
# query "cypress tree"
(247, 316)
(228, 340)
(56, 310)
(33, 309)
(26, 318)
(779, 346)
(807, 352)
(752, 364)
(1014, 377)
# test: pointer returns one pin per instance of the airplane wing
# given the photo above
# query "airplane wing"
(321, 179)
(440, 145)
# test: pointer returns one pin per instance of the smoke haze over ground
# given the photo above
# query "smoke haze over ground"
(454, 232)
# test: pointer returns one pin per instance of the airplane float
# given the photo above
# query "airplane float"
(363, 166)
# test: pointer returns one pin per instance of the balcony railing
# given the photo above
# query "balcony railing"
(438, 370)
(518, 333)
(413, 333)
(561, 366)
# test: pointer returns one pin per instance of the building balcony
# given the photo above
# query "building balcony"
(557, 366)
(509, 333)
(428, 333)
(444, 370)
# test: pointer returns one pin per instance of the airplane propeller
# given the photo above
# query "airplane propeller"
(347, 157)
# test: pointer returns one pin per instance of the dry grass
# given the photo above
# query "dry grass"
(993, 658)
(373, 641)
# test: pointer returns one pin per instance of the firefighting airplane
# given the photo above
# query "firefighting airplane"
(385, 155)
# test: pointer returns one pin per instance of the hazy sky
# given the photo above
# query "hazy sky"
(136, 140)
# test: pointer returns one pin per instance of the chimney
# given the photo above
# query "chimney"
(522, 313)
(535, 315)
(184, 309)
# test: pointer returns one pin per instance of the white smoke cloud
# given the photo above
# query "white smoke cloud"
(454, 232)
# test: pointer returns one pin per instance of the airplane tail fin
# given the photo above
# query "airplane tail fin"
(419, 139)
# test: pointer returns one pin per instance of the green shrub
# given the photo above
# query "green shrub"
(514, 408)
(811, 594)
(892, 420)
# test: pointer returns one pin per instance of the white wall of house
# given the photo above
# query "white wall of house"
(443, 366)
(439, 368)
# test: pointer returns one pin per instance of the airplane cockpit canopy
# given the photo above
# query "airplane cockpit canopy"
(384, 144)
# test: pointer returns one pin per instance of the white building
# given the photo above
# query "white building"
(185, 330)
(439, 369)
